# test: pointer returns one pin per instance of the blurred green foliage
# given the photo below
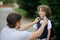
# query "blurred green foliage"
(29, 6)
(21, 11)
(8, 1)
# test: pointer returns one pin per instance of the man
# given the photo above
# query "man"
(14, 21)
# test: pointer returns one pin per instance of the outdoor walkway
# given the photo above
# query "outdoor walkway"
(3, 14)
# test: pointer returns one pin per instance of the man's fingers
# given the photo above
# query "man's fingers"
(45, 21)
(38, 18)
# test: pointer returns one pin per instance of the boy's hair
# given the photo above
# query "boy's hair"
(46, 9)
(12, 19)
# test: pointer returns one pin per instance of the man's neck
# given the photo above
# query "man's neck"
(17, 28)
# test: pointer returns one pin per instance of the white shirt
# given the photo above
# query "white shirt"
(49, 24)
(13, 34)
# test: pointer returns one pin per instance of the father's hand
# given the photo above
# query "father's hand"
(36, 20)
(45, 21)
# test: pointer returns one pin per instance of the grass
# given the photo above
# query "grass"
(23, 12)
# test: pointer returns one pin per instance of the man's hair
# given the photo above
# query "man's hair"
(12, 19)
(46, 9)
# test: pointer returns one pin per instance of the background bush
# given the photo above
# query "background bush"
(8, 1)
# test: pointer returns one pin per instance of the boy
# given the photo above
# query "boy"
(14, 22)
(44, 12)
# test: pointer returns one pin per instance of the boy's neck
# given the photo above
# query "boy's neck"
(43, 17)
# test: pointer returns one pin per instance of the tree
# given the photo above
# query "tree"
(8, 1)
(30, 6)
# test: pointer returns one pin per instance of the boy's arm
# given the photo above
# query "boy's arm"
(48, 35)
(49, 29)
(24, 27)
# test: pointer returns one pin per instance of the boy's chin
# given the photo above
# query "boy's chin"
(41, 16)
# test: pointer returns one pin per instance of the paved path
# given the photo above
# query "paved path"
(3, 14)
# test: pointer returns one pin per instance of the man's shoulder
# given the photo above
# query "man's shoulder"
(5, 28)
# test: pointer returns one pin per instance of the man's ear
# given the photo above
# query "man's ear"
(17, 23)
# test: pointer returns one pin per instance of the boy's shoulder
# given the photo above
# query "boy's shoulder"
(49, 21)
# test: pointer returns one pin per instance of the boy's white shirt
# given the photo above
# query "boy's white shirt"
(49, 24)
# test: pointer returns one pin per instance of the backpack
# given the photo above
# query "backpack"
(52, 30)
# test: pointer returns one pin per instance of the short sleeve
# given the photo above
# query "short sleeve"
(24, 35)
(35, 26)
(27, 35)
(49, 25)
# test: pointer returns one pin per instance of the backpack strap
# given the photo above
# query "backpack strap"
(52, 30)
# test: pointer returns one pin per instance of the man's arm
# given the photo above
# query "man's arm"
(39, 31)
(24, 27)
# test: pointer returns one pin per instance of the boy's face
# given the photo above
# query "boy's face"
(41, 13)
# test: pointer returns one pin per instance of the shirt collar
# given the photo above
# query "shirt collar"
(43, 18)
